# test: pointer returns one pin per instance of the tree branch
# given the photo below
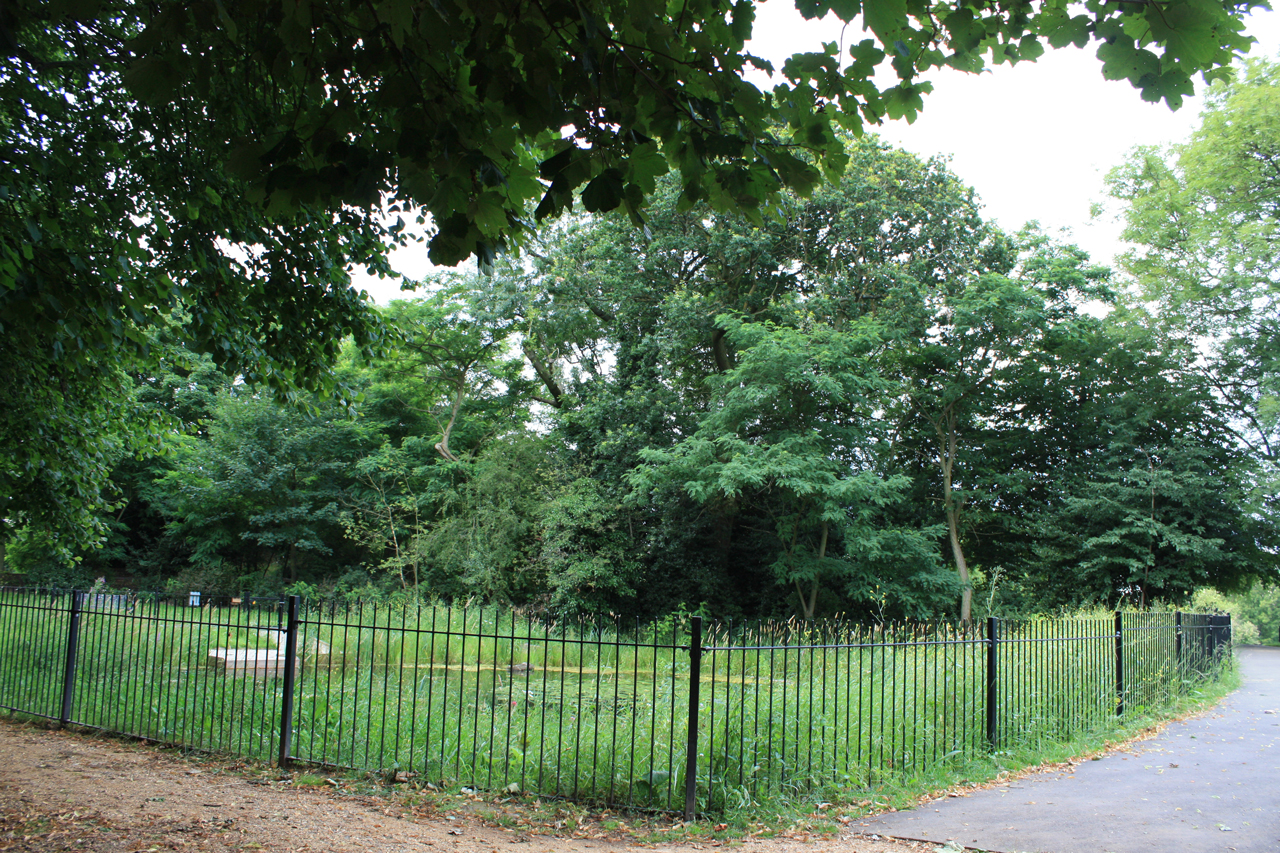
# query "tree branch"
(540, 368)
(442, 446)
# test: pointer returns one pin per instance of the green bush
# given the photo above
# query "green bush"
(1255, 613)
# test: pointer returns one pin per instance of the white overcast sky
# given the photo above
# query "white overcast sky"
(1035, 141)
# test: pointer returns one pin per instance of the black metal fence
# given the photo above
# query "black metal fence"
(687, 716)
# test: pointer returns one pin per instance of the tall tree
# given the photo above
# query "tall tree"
(447, 499)
(742, 359)
(1155, 501)
(265, 491)
(113, 215)
(786, 441)
(975, 354)
(1205, 218)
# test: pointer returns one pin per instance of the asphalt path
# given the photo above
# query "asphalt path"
(1210, 783)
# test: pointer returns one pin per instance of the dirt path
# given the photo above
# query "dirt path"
(62, 791)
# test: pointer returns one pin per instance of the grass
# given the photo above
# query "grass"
(790, 716)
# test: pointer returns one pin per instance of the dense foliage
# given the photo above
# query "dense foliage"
(814, 378)
(210, 173)
(877, 404)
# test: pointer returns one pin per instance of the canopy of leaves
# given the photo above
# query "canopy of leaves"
(235, 159)
(778, 385)
(265, 489)
(457, 107)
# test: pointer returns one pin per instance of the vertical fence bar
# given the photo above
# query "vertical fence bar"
(69, 671)
(1177, 646)
(1119, 628)
(290, 675)
(691, 756)
(40, 623)
(993, 672)
(10, 612)
(100, 666)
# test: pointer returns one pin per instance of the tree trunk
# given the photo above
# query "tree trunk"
(442, 447)
(807, 606)
(947, 443)
(545, 375)
(722, 532)
(962, 567)
(720, 351)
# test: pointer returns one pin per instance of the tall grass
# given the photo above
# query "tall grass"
(594, 712)
(486, 698)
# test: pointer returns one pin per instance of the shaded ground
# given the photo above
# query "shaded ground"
(62, 791)
(1208, 783)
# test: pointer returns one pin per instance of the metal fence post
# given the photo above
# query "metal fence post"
(69, 671)
(290, 676)
(993, 682)
(1119, 663)
(1177, 642)
(1219, 636)
(691, 755)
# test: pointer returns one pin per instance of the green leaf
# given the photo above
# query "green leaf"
(489, 211)
(649, 783)
(1122, 61)
(1062, 30)
(229, 25)
(151, 79)
(398, 16)
(1189, 28)
(604, 192)
(887, 19)
(1030, 49)
(846, 10)
(645, 165)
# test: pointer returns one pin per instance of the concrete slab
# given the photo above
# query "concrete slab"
(1207, 784)
(249, 663)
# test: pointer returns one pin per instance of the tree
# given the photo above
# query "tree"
(63, 433)
(444, 365)
(1155, 502)
(455, 107)
(1205, 218)
(975, 354)
(786, 440)
(449, 497)
(1152, 523)
(264, 493)
(120, 230)
(740, 403)
(1258, 606)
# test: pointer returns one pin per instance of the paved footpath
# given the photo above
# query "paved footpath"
(1207, 784)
